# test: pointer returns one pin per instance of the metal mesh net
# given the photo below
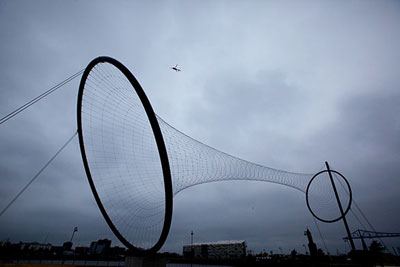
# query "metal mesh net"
(193, 163)
(321, 197)
(125, 165)
(122, 155)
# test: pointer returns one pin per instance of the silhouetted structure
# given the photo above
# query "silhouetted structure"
(343, 212)
(67, 246)
(102, 251)
(312, 247)
(34, 246)
(82, 250)
(362, 234)
(216, 250)
(100, 246)
(73, 233)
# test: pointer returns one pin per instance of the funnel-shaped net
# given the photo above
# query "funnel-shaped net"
(193, 163)
(122, 143)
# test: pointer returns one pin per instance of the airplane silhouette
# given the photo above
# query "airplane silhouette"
(176, 68)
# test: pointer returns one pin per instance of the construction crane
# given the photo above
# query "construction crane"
(361, 234)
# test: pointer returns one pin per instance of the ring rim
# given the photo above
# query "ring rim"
(350, 197)
(160, 146)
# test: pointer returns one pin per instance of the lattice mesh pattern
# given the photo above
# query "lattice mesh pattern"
(125, 166)
(122, 155)
(193, 163)
(321, 196)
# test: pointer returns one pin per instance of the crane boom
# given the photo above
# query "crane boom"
(360, 234)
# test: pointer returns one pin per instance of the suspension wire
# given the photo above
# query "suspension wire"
(320, 234)
(352, 211)
(315, 221)
(43, 95)
(37, 174)
(358, 219)
(358, 208)
(362, 214)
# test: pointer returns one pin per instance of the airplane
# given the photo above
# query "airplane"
(176, 68)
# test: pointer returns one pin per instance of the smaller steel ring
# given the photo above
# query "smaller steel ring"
(348, 206)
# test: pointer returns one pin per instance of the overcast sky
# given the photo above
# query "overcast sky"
(285, 84)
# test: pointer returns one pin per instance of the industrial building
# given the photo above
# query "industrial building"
(100, 246)
(216, 250)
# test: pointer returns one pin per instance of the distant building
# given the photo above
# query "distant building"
(216, 250)
(100, 246)
(92, 248)
(117, 251)
(67, 246)
(5, 242)
(57, 250)
(34, 246)
(81, 250)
